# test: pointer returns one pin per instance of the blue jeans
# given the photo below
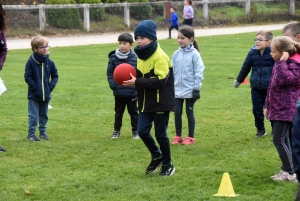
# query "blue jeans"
(189, 109)
(37, 112)
(258, 102)
(160, 125)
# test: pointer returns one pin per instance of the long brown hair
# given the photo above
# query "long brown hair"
(286, 44)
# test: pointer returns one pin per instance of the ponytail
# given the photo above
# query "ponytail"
(297, 46)
(196, 45)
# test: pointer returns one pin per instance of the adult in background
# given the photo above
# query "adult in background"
(3, 46)
(292, 30)
(188, 13)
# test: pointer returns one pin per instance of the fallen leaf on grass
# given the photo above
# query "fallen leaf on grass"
(27, 192)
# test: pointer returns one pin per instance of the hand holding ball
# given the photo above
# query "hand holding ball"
(122, 73)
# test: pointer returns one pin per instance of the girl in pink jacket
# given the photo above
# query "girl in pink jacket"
(282, 95)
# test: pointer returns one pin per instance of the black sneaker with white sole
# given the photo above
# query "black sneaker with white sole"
(2, 149)
(33, 138)
(167, 170)
(135, 135)
(260, 133)
(115, 134)
(152, 167)
(44, 136)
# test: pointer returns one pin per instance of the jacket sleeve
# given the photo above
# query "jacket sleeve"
(245, 68)
(198, 70)
(110, 73)
(160, 78)
(173, 18)
(54, 77)
(29, 76)
(190, 12)
(286, 75)
(3, 49)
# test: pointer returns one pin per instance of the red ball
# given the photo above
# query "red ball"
(122, 73)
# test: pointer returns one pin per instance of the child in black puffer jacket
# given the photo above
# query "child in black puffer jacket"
(124, 96)
(261, 63)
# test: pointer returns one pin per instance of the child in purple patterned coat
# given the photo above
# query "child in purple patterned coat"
(3, 46)
(282, 95)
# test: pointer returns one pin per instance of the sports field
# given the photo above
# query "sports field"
(81, 162)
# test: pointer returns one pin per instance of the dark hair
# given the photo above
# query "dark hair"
(294, 26)
(268, 34)
(188, 32)
(190, 2)
(2, 18)
(173, 8)
(286, 44)
(126, 37)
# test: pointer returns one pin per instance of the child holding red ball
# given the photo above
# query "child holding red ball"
(123, 96)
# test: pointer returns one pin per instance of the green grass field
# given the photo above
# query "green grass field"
(81, 162)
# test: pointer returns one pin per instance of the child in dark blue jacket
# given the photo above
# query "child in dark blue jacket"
(124, 96)
(174, 20)
(261, 63)
(41, 77)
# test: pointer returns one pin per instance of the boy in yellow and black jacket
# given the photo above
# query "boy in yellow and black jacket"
(155, 94)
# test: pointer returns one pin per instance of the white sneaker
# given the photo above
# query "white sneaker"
(285, 176)
(276, 175)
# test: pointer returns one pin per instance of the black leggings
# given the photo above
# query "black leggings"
(188, 22)
(281, 132)
(189, 108)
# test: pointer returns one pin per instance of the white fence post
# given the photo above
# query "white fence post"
(247, 7)
(42, 17)
(127, 14)
(292, 7)
(86, 16)
(205, 9)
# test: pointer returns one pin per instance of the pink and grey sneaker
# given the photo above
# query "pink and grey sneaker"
(188, 140)
(177, 140)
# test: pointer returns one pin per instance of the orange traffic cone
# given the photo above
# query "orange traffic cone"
(245, 81)
(226, 188)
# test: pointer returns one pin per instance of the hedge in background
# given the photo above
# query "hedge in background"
(96, 14)
(116, 10)
(140, 12)
(63, 18)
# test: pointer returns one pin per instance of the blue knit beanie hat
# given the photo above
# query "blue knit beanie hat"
(146, 28)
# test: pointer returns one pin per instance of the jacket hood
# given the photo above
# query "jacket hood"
(296, 58)
(254, 48)
(111, 53)
(187, 49)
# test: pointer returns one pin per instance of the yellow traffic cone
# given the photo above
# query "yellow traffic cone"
(226, 188)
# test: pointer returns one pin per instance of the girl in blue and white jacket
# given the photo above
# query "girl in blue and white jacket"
(188, 70)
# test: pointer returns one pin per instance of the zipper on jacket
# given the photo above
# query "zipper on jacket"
(269, 94)
(157, 96)
(181, 76)
(144, 100)
(43, 89)
(260, 72)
